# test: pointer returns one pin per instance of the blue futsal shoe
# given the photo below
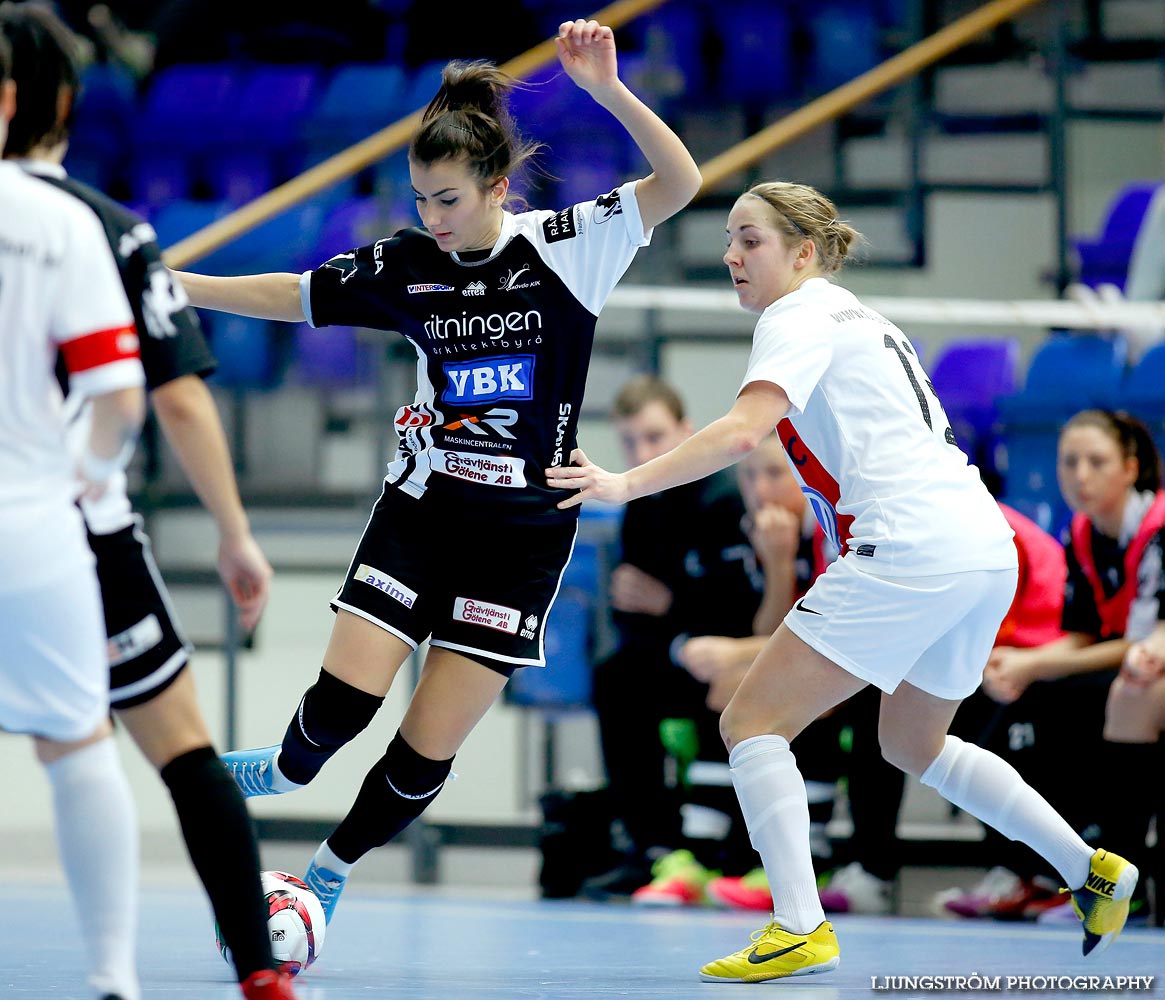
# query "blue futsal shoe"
(253, 770)
(327, 885)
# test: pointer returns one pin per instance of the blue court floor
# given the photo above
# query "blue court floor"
(439, 947)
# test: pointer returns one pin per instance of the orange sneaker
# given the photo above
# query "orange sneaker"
(267, 984)
(742, 892)
(679, 881)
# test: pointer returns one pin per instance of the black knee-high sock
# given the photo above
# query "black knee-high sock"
(1132, 774)
(331, 713)
(394, 793)
(217, 831)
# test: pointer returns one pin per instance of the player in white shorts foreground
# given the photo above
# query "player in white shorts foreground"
(59, 288)
(927, 572)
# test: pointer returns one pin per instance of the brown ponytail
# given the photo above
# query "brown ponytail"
(469, 119)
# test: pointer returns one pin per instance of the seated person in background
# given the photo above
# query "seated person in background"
(793, 552)
(686, 568)
(1110, 475)
(1032, 620)
(1134, 720)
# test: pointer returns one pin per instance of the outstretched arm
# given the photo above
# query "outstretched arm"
(724, 441)
(263, 296)
(586, 50)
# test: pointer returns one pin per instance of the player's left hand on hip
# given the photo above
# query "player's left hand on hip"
(591, 481)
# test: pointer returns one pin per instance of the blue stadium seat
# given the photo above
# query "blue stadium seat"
(565, 682)
(184, 107)
(360, 99)
(1028, 466)
(178, 219)
(970, 377)
(756, 66)
(331, 355)
(423, 85)
(584, 180)
(273, 104)
(284, 243)
(1144, 393)
(1069, 373)
(1078, 370)
(352, 223)
(551, 105)
(260, 135)
(245, 349)
(239, 176)
(680, 32)
(157, 178)
(1105, 258)
(845, 43)
(1144, 388)
(99, 140)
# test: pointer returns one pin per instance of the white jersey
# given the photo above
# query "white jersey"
(870, 442)
(59, 288)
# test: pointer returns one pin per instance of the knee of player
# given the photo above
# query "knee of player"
(332, 712)
(412, 775)
(908, 752)
(735, 727)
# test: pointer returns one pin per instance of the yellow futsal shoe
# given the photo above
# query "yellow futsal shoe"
(1102, 903)
(776, 953)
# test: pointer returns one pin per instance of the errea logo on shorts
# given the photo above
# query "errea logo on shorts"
(495, 616)
(385, 584)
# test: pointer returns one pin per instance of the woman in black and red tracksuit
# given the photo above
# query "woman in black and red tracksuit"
(1110, 474)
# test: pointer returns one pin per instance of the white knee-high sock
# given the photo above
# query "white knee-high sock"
(990, 789)
(776, 811)
(97, 835)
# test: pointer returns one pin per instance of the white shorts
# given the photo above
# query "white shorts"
(54, 670)
(934, 631)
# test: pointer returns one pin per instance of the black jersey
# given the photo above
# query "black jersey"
(171, 336)
(172, 344)
(503, 345)
(1148, 607)
(691, 539)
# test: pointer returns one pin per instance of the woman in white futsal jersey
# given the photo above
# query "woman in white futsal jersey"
(59, 290)
(501, 310)
(913, 605)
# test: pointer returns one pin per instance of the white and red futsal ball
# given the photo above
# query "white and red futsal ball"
(295, 923)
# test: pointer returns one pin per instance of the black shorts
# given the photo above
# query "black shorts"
(147, 651)
(458, 578)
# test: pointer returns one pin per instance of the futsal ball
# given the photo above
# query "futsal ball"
(295, 923)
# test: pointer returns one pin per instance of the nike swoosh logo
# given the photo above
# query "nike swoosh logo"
(756, 958)
(800, 606)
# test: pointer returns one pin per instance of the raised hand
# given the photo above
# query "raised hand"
(591, 481)
(586, 50)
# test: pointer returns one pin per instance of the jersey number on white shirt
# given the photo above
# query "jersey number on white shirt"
(905, 353)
